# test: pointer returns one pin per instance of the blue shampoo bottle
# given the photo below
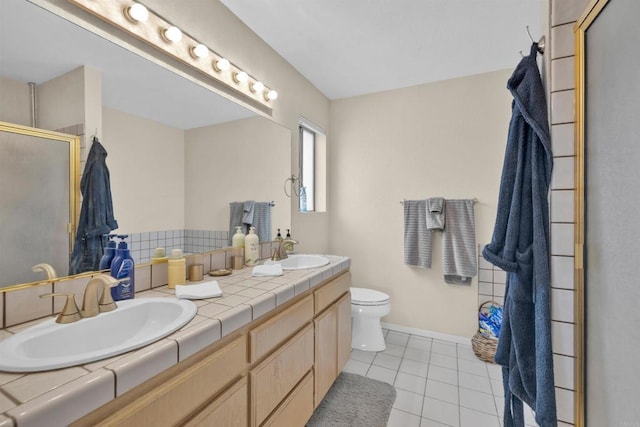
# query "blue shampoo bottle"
(123, 268)
(109, 252)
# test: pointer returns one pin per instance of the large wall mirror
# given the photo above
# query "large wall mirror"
(607, 206)
(178, 152)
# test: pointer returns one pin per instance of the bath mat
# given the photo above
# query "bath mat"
(353, 401)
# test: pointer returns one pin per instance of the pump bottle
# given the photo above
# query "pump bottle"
(251, 247)
(123, 268)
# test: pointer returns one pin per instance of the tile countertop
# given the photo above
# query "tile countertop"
(61, 396)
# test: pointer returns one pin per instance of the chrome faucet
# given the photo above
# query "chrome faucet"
(281, 253)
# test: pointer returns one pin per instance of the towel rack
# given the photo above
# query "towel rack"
(475, 201)
(271, 203)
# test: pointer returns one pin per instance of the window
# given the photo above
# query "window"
(312, 164)
(307, 169)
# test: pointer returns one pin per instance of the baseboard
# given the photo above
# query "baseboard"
(426, 333)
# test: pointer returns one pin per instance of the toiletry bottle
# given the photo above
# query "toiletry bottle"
(177, 269)
(288, 246)
(279, 236)
(251, 247)
(303, 199)
(109, 252)
(237, 243)
(123, 268)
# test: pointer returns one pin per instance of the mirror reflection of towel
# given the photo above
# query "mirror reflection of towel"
(436, 213)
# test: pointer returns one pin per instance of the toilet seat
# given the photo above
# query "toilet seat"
(368, 297)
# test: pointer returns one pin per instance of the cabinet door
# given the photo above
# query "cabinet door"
(344, 331)
(326, 367)
(297, 408)
(273, 379)
(230, 409)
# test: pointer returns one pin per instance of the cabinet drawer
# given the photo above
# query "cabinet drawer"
(181, 395)
(230, 409)
(276, 330)
(297, 408)
(273, 379)
(331, 292)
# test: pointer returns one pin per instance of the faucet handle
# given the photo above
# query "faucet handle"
(70, 313)
(106, 302)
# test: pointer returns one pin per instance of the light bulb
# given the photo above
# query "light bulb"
(172, 34)
(271, 95)
(200, 51)
(240, 77)
(257, 87)
(137, 13)
(221, 64)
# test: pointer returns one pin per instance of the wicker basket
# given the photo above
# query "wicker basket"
(483, 346)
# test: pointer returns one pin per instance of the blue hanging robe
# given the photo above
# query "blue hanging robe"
(96, 213)
(520, 246)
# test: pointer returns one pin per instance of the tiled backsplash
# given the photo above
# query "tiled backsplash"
(491, 280)
(142, 245)
(24, 305)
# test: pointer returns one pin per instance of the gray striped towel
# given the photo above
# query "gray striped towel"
(435, 213)
(417, 239)
(262, 220)
(459, 249)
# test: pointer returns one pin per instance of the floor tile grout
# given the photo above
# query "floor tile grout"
(434, 353)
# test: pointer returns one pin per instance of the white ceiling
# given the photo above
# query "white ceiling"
(353, 47)
(344, 47)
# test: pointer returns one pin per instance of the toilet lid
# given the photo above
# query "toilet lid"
(363, 296)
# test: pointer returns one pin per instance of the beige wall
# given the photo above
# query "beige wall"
(236, 161)
(147, 165)
(15, 106)
(441, 139)
(213, 24)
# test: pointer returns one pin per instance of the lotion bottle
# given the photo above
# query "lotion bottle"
(177, 269)
(251, 247)
(237, 243)
(123, 269)
(109, 252)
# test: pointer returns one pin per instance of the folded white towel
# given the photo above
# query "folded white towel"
(199, 291)
(267, 270)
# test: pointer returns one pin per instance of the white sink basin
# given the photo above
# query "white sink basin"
(134, 324)
(301, 262)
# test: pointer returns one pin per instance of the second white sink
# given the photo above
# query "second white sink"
(134, 324)
(301, 262)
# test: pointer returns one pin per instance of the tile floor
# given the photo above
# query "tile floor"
(438, 383)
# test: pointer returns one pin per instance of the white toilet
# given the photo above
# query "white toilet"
(367, 307)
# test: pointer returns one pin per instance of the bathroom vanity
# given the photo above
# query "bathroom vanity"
(265, 353)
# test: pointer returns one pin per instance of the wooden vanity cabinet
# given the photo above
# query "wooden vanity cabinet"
(272, 372)
(332, 341)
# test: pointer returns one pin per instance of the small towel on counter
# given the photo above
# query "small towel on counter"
(199, 291)
(436, 213)
(417, 239)
(267, 270)
(459, 250)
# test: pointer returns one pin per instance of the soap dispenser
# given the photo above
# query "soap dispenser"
(288, 247)
(123, 268)
(251, 247)
(237, 243)
(109, 252)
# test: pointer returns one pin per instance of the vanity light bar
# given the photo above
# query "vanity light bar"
(136, 19)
